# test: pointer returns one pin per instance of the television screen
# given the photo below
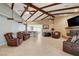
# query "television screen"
(73, 21)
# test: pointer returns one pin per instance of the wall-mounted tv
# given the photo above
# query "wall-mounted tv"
(73, 21)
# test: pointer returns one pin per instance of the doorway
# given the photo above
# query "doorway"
(34, 30)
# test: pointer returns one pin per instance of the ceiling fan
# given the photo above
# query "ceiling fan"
(12, 18)
(27, 10)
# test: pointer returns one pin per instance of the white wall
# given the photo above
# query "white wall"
(42, 22)
(8, 25)
(60, 23)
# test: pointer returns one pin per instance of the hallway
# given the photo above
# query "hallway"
(41, 46)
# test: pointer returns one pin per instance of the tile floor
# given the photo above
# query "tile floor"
(36, 46)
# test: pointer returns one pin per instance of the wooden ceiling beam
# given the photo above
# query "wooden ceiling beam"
(66, 13)
(46, 7)
(61, 14)
(23, 12)
(31, 16)
(64, 9)
(35, 7)
(54, 4)
(44, 18)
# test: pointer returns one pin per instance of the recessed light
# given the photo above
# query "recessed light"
(76, 10)
(27, 12)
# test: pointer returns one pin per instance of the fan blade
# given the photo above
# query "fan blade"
(10, 18)
(19, 22)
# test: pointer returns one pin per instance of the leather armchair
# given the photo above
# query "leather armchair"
(20, 36)
(12, 41)
(56, 34)
(26, 36)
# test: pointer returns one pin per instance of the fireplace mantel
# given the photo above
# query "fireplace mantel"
(72, 28)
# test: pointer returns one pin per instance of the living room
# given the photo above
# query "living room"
(18, 21)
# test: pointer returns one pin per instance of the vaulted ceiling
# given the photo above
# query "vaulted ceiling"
(40, 11)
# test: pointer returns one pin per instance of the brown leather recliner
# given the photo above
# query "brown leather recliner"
(26, 36)
(23, 35)
(12, 41)
(56, 34)
(20, 35)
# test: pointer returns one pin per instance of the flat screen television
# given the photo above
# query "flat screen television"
(73, 21)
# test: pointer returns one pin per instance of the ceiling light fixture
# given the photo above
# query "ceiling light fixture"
(27, 12)
(76, 10)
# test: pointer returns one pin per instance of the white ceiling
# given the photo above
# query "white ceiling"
(41, 4)
(19, 8)
(35, 15)
(60, 6)
(42, 17)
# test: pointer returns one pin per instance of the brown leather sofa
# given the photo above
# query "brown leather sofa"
(71, 48)
(11, 41)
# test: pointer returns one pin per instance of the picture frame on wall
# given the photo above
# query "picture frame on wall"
(45, 26)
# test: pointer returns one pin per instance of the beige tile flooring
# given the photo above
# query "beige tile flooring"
(36, 46)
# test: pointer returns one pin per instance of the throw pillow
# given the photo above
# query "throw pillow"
(77, 41)
(73, 39)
